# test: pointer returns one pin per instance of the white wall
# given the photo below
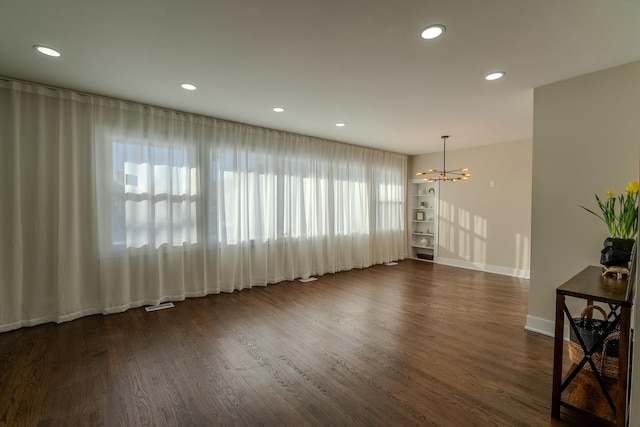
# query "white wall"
(480, 226)
(586, 135)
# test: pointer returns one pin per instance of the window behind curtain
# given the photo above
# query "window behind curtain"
(154, 194)
(166, 193)
(266, 197)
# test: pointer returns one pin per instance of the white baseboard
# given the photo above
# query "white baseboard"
(497, 269)
(544, 327)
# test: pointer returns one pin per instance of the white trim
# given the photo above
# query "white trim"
(497, 269)
(544, 327)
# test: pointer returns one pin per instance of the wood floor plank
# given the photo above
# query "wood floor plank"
(412, 344)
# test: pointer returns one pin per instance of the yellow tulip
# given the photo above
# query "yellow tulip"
(632, 187)
(610, 194)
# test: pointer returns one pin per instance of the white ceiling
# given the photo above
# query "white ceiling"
(358, 61)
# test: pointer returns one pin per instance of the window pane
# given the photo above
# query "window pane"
(154, 195)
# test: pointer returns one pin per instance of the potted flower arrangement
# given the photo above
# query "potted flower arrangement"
(621, 217)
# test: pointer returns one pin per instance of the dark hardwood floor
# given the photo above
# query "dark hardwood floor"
(412, 344)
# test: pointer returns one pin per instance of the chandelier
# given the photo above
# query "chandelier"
(433, 175)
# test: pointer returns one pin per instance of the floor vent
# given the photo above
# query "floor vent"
(391, 263)
(308, 279)
(160, 306)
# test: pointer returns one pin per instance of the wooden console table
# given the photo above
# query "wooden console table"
(590, 285)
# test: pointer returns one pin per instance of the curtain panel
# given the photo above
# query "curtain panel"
(108, 205)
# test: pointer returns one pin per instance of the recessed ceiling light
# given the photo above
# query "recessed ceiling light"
(433, 31)
(496, 75)
(47, 51)
(188, 86)
(341, 125)
(278, 109)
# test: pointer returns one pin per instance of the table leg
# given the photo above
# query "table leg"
(622, 398)
(558, 349)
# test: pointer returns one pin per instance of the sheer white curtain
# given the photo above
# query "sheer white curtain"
(108, 205)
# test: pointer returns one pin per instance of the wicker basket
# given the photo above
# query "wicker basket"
(604, 358)
(607, 365)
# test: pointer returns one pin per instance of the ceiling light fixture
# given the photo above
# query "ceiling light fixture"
(495, 76)
(278, 109)
(47, 51)
(188, 86)
(341, 125)
(433, 31)
(433, 175)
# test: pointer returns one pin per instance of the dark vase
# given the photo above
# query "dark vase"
(616, 252)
